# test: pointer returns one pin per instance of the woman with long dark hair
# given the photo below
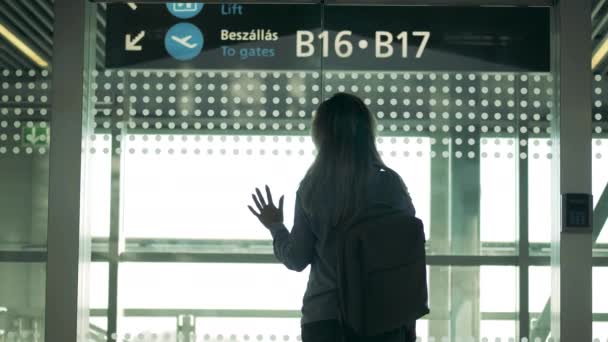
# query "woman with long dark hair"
(346, 177)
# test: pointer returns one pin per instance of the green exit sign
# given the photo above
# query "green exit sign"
(35, 136)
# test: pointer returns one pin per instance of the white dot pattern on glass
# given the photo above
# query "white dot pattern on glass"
(24, 111)
(600, 110)
(283, 103)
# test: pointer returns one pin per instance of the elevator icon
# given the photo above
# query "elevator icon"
(185, 7)
(185, 10)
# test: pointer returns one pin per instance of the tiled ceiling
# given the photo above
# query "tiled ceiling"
(32, 21)
(599, 18)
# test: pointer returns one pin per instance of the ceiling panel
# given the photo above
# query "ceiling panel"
(32, 21)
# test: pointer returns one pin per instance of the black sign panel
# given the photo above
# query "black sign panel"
(233, 36)
(442, 38)
(311, 37)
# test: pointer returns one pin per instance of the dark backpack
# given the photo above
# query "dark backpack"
(381, 271)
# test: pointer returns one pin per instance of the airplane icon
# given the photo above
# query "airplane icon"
(184, 41)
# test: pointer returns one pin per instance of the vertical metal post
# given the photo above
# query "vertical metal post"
(524, 244)
(116, 238)
(465, 201)
(439, 237)
(571, 258)
(465, 315)
(68, 243)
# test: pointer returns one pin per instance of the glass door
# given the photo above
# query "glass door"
(195, 105)
(26, 44)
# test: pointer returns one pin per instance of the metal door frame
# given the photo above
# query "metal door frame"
(69, 245)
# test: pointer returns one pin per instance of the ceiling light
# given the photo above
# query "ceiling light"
(19, 44)
(599, 54)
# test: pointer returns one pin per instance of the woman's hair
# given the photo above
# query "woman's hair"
(334, 188)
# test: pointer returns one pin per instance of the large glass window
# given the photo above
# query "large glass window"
(176, 153)
(26, 42)
(600, 201)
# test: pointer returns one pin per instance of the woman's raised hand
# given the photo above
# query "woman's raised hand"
(269, 214)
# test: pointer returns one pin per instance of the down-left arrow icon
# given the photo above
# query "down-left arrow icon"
(132, 44)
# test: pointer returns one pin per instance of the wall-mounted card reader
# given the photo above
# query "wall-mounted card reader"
(577, 213)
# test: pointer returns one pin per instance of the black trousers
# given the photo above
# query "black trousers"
(329, 331)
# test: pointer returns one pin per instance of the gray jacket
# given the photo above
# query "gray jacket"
(312, 243)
